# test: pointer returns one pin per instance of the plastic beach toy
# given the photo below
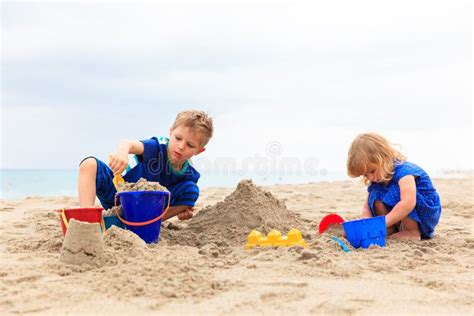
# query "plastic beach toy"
(143, 212)
(341, 243)
(88, 214)
(366, 232)
(117, 178)
(275, 239)
(329, 220)
(113, 220)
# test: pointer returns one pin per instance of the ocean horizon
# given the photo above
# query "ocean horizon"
(22, 183)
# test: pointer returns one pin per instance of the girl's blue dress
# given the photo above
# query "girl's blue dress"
(427, 210)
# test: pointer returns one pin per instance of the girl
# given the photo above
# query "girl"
(398, 189)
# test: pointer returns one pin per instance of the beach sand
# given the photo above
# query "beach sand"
(201, 266)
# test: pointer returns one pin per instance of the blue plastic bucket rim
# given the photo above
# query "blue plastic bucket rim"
(364, 219)
(141, 193)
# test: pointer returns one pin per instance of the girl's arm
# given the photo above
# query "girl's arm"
(407, 201)
(119, 161)
(365, 209)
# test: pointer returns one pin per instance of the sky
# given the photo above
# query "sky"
(281, 80)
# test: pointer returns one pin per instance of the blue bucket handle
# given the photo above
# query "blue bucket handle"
(151, 221)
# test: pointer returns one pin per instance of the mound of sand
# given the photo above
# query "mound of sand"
(123, 242)
(113, 210)
(228, 223)
(83, 244)
(141, 185)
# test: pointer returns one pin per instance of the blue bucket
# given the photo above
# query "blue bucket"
(143, 211)
(366, 232)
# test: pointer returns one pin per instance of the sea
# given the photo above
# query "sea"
(22, 183)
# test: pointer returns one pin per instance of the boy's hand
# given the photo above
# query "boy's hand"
(118, 162)
(186, 214)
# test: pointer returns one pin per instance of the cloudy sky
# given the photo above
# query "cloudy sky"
(308, 77)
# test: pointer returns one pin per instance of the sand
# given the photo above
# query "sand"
(141, 185)
(230, 221)
(83, 244)
(201, 266)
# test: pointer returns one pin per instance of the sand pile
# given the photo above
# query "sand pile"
(228, 223)
(141, 185)
(113, 210)
(336, 230)
(83, 244)
(123, 242)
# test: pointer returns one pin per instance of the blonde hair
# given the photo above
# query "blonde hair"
(198, 121)
(371, 148)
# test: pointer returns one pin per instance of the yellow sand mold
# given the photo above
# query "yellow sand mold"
(275, 239)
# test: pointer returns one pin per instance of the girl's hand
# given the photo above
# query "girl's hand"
(407, 202)
(366, 213)
(365, 209)
(118, 162)
(186, 214)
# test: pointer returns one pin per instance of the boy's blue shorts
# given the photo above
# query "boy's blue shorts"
(183, 193)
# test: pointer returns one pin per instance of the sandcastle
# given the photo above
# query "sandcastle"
(83, 244)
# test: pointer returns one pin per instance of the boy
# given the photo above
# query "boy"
(160, 160)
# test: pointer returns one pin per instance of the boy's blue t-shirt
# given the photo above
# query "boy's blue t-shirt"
(154, 165)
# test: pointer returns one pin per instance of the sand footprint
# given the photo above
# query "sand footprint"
(281, 297)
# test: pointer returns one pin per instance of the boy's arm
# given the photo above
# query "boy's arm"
(131, 147)
(365, 209)
(407, 201)
(119, 161)
(176, 210)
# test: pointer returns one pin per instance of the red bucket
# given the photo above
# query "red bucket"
(89, 214)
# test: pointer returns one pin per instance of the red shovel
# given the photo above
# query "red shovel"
(329, 220)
